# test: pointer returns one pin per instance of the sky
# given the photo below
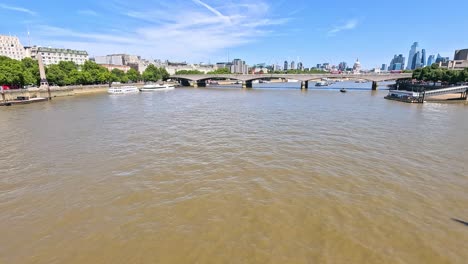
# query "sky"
(257, 31)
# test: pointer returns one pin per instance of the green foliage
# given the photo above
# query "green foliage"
(435, 74)
(26, 72)
(185, 72)
(154, 74)
(220, 71)
(55, 75)
(311, 71)
(16, 73)
(133, 75)
(31, 68)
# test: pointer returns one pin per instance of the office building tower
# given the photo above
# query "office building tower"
(412, 52)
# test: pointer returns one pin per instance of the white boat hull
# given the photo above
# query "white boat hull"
(123, 90)
(153, 88)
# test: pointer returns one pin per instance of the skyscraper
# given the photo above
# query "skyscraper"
(412, 52)
(423, 57)
(384, 67)
(286, 65)
(300, 66)
(342, 66)
(431, 60)
(397, 63)
(441, 59)
(416, 61)
(293, 65)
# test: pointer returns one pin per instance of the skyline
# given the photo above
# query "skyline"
(262, 32)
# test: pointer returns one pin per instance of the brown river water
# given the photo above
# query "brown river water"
(234, 176)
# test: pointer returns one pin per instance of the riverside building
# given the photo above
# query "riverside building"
(54, 56)
(11, 47)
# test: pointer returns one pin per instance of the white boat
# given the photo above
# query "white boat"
(291, 80)
(123, 90)
(156, 87)
(322, 83)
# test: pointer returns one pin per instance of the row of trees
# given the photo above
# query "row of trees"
(26, 72)
(218, 71)
(227, 71)
(435, 74)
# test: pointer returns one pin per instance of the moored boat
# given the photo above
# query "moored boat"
(343, 90)
(322, 83)
(123, 90)
(156, 87)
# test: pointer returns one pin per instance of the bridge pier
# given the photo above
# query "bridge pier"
(185, 82)
(197, 84)
(374, 86)
(305, 85)
(201, 83)
(247, 84)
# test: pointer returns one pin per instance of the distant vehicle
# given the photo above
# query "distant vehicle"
(396, 71)
(5, 87)
(116, 83)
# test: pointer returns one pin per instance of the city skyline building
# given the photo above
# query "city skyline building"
(397, 63)
(293, 65)
(416, 61)
(300, 66)
(430, 60)
(342, 66)
(423, 57)
(239, 66)
(441, 59)
(411, 54)
(384, 67)
(285, 65)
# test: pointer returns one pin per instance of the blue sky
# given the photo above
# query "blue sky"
(254, 30)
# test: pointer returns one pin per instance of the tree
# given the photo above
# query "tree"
(118, 75)
(154, 74)
(164, 74)
(185, 72)
(95, 74)
(55, 75)
(220, 71)
(12, 72)
(417, 74)
(133, 75)
(31, 68)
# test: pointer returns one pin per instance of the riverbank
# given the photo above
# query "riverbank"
(56, 91)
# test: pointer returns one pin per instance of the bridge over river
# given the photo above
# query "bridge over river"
(199, 80)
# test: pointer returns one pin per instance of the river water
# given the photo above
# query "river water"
(234, 176)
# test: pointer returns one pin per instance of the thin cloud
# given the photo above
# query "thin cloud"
(87, 12)
(18, 9)
(212, 9)
(210, 30)
(349, 25)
